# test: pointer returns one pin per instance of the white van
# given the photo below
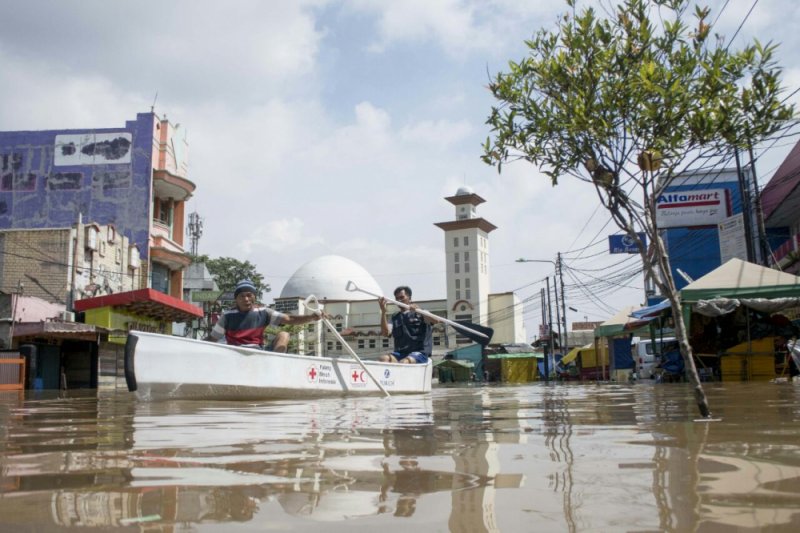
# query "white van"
(646, 354)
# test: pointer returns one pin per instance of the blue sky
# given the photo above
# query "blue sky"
(320, 127)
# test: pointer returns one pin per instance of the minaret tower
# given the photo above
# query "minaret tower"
(466, 244)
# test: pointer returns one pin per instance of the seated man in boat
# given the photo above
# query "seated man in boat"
(411, 331)
(244, 324)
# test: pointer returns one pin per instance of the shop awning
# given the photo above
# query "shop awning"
(651, 311)
(144, 302)
(57, 330)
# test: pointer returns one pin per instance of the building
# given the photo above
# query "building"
(132, 179)
(356, 315)
(780, 204)
(705, 219)
(92, 220)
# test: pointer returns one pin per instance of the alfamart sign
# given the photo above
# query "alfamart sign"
(692, 208)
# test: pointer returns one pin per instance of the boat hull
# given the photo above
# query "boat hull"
(164, 366)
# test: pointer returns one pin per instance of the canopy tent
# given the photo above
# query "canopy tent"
(740, 279)
(737, 283)
(619, 324)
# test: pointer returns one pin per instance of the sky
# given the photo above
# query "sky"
(338, 127)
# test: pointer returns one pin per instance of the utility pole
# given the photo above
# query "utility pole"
(559, 268)
(550, 331)
(550, 335)
(746, 212)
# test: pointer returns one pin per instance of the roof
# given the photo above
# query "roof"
(57, 330)
(463, 363)
(620, 323)
(741, 279)
(145, 302)
(326, 278)
(780, 199)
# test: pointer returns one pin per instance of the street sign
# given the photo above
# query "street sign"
(205, 296)
(625, 244)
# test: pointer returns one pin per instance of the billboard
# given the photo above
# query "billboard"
(680, 209)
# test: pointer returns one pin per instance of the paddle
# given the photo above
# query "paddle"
(352, 287)
(317, 311)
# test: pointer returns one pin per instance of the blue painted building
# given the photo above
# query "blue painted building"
(703, 222)
(131, 177)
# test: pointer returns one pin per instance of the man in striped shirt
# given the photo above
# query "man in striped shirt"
(244, 324)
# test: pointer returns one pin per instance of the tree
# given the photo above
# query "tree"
(627, 104)
(228, 271)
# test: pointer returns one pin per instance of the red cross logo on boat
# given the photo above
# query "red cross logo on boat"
(358, 376)
(312, 374)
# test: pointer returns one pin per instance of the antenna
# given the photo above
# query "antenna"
(153, 107)
(194, 230)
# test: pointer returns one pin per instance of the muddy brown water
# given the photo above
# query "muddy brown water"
(557, 457)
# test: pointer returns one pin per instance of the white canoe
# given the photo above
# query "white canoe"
(165, 366)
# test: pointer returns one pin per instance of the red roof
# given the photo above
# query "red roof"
(146, 302)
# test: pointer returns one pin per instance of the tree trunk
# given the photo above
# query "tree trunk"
(667, 285)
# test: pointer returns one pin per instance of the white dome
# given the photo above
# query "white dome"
(326, 278)
(464, 190)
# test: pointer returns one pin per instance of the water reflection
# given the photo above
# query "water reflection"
(572, 458)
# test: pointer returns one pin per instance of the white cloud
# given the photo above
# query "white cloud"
(278, 236)
(440, 132)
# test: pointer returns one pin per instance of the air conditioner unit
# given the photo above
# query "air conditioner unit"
(67, 316)
(133, 258)
(91, 238)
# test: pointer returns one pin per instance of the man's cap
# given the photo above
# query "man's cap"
(244, 285)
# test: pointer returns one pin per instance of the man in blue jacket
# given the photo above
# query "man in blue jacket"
(412, 333)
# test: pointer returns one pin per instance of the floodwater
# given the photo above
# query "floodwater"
(538, 457)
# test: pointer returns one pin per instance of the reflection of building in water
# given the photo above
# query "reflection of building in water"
(473, 507)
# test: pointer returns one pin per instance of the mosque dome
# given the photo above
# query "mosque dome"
(464, 190)
(326, 278)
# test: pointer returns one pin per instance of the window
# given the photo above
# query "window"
(458, 294)
(360, 344)
(466, 256)
(338, 326)
(455, 242)
(466, 267)
(456, 257)
(159, 278)
(164, 212)
(338, 346)
(437, 340)
(385, 342)
(467, 294)
(372, 343)
(466, 241)
(458, 283)
(456, 268)
(330, 346)
(466, 283)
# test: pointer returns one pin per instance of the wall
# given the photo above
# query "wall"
(46, 264)
(49, 178)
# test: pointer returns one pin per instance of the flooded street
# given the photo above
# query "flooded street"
(506, 458)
